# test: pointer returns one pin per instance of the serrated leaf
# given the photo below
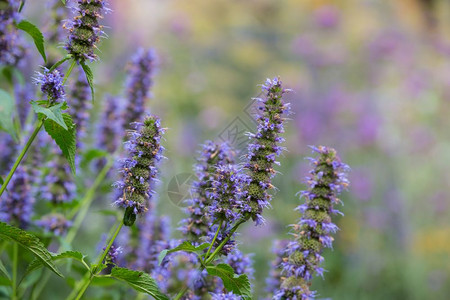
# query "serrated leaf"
(6, 113)
(139, 281)
(89, 77)
(185, 246)
(29, 242)
(238, 284)
(36, 34)
(36, 264)
(54, 112)
(65, 139)
(3, 270)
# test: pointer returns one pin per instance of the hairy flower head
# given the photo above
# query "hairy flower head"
(265, 148)
(313, 232)
(139, 169)
(84, 29)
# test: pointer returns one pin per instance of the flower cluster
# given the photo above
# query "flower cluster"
(139, 169)
(113, 255)
(313, 232)
(51, 84)
(80, 103)
(225, 193)
(54, 223)
(198, 223)
(11, 45)
(84, 29)
(264, 149)
(17, 206)
(139, 82)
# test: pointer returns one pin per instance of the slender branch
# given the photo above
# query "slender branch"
(230, 234)
(72, 65)
(214, 240)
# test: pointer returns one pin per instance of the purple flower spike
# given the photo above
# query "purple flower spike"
(17, 205)
(313, 232)
(139, 81)
(139, 169)
(198, 222)
(84, 29)
(51, 84)
(264, 149)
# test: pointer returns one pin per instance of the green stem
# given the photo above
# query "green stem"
(181, 293)
(86, 202)
(72, 65)
(21, 155)
(90, 275)
(214, 240)
(14, 270)
(230, 234)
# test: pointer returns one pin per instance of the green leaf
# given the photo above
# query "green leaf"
(139, 281)
(29, 242)
(185, 246)
(36, 264)
(1, 180)
(63, 2)
(238, 284)
(3, 270)
(36, 34)
(89, 77)
(65, 139)
(6, 113)
(54, 112)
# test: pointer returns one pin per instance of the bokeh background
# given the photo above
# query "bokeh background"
(371, 78)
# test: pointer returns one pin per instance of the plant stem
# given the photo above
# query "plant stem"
(90, 275)
(230, 234)
(21, 155)
(14, 270)
(72, 65)
(86, 202)
(181, 293)
(214, 239)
